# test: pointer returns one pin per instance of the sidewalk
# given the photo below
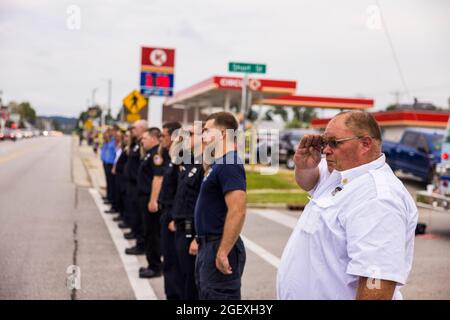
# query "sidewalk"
(87, 167)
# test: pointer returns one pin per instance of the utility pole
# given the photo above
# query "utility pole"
(109, 97)
(93, 96)
(244, 99)
(396, 94)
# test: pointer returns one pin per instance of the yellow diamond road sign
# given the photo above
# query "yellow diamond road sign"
(134, 101)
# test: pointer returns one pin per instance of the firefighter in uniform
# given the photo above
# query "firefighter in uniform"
(172, 280)
(132, 167)
(189, 182)
(150, 175)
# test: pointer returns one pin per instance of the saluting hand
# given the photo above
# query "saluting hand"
(222, 263)
(308, 153)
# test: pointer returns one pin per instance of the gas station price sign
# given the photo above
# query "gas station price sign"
(157, 71)
(157, 84)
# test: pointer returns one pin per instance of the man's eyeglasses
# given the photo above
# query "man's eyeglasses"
(334, 143)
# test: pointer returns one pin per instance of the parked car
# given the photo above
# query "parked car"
(287, 144)
(417, 153)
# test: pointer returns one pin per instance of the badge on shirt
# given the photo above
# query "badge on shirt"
(192, 172)
(157, 160)
(136, 148)
(147, 156)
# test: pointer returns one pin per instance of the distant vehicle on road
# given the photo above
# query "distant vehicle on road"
(417, 153)
(8, 134)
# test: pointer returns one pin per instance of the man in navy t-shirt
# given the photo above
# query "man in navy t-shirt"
(220, 213)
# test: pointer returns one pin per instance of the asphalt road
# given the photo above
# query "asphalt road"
(47, 223)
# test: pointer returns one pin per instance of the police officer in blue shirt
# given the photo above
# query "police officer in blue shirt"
(220, 212)
(108, 155)
(132, 167)
(189, 181)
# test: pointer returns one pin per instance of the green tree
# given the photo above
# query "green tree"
(281, 111)
(391, 107)
(24, 109)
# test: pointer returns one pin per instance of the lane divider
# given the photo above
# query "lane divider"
(261, 252)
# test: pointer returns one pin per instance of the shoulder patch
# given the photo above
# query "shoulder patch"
(192, 172)
(157, 160)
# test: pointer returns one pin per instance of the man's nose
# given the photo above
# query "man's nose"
(327, 150)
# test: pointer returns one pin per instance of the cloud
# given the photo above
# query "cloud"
(324, 45)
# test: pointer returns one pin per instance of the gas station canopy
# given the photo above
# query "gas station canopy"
(220, 91)
(319, 102)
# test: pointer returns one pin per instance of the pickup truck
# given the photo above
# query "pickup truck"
(417, 153)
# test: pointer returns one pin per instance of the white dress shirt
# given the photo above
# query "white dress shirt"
(359, 223)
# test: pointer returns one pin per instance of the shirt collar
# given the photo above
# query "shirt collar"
(352, 174)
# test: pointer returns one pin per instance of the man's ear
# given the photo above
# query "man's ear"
(367, 143)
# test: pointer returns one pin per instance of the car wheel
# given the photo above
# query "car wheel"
(290, 162)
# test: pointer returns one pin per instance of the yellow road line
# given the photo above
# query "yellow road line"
(16, 154)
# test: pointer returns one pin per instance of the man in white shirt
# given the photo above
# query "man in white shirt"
(355, 238)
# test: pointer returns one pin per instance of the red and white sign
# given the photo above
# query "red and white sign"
(265, 85)
(158, 59)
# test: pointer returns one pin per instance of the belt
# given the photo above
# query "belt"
(182, 223)
(208, 238)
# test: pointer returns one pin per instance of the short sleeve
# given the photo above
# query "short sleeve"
(376, 241)
(323, 174)
(158, 165)
(231, 177)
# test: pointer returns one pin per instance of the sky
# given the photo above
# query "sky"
(54, 58)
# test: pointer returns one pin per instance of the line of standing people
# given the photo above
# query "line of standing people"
(185, 214)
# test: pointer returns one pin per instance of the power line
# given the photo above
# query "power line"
(394, 54)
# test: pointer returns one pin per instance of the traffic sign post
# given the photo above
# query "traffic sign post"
(134, 106)
(245, 68)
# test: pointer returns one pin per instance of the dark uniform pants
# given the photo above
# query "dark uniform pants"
(172, 276)
(213, 284)
(186, 264)
(119, 193)
(134, 214)
(109, 177)
(151, 234)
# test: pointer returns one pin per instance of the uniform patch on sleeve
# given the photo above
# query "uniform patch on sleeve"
(157, 160)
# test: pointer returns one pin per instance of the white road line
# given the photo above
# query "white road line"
(141, 287)
(261, 252)
(276, 216)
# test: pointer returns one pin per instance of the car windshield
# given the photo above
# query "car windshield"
(437, 142)
(447, 139)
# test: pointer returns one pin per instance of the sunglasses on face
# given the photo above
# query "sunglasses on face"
(333, 143)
